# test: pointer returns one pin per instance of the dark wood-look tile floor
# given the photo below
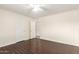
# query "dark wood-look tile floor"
(39, 46)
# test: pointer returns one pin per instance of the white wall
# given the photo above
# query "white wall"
(32, 29)
(13, 27)
(62, 27)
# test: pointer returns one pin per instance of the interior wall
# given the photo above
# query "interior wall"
(13, 27)
(62, 27)
(32, 29)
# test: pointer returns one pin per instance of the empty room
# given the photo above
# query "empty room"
(39, 28)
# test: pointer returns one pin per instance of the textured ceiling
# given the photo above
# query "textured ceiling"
(47, 9)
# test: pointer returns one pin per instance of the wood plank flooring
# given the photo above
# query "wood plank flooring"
(39, 46)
